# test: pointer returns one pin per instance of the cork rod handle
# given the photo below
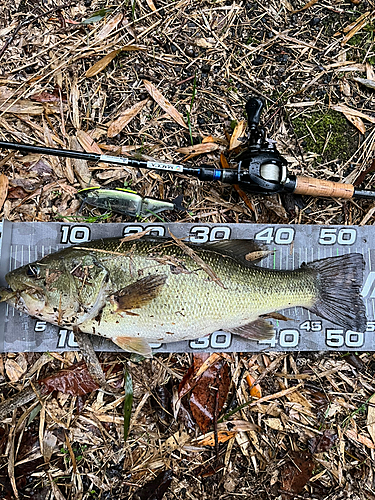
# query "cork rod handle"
(318, 187)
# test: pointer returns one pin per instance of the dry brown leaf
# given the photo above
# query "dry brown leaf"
(151, 4)
(109, 27)
(104, 61)
(360, 438)
(80, 166)
(15, 368)
(370, 73)
(54, 161)
(370, 83)
(237, 133)
(189, 251)
(225, 431)
(4, 185)
(205, 43)
(74, 98)
(357, 122)
(209, 138)
(371, 417)
(307, 6)
(198, 149)
(164, 104)
(125, 117)
(88, 143)
(255, 390)
(26, 107)
(359, 25)
(343, 108)
(211, 360)
(274, 423)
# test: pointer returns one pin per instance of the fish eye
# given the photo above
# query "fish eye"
(33, 270)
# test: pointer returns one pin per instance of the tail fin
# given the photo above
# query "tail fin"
(339, 284)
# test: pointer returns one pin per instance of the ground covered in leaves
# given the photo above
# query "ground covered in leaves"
(168, 80)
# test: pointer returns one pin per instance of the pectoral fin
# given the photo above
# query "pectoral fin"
(134, 344)
(138, 294)
(256, 330)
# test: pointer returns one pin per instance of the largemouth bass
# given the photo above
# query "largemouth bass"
(151, 290)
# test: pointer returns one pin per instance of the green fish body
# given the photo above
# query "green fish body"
(150, 290)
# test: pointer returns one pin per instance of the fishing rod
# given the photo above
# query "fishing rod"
(261, 168)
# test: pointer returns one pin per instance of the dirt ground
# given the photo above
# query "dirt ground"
(92, 75)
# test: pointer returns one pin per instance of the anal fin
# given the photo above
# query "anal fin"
(256, 330)
(134, 344)
(138, 294)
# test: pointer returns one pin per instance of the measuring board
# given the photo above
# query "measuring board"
(24, 242)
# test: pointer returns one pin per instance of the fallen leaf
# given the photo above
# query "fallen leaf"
(357, 122)
(15, 368)
(205, 43)
(306, 6)
(155, 489)
(128, 402)
(48, 97)
(371, 417)
(237, 133)
(321, 444)
(164, 104)
(151, 4)
(104, 61)
(225, 431)
(297, 472)
(365, 81)
(210, 392)
(198, 149)
(75, 380)
(74, 99)
(25, 107)
(271, 203)
(190, 252)
(370, 73)
(342, 108)
(358, 25)
(274, 423)
(80, 166)
(125, 117)
(87, 142)
(4, 185)
(97, 16)
(209, 138)
(360, 438)
(109, 27)
(255, 390)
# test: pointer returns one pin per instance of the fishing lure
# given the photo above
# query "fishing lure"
(126, 201)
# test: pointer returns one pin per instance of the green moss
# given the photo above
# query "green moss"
(342, 135)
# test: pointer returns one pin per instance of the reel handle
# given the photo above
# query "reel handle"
(254, 107)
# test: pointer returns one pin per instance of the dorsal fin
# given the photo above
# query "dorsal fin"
(238, 249)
